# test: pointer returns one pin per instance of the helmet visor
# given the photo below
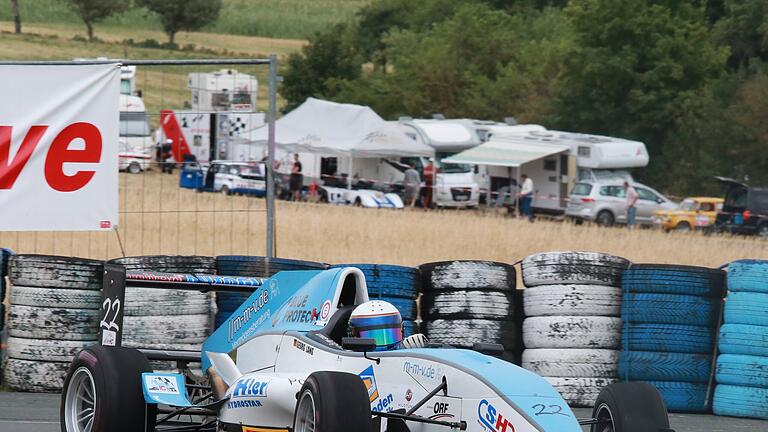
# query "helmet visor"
(386, 330)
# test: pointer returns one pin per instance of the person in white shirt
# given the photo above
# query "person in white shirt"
(632, 198)
(526, 197)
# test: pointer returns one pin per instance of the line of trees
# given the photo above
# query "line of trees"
(175, 15)
(687, 77)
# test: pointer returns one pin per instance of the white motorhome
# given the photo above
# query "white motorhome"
(135, 142)
(223, 90)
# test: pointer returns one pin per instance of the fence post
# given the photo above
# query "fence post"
(271, 157)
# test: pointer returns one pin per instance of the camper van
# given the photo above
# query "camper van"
(135, 143)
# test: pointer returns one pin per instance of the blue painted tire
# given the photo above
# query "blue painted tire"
(742, 370)
(410, 328)
(737, 401)
(683, 396)
(744, 339)
(2, 316)
(406, 307)
(667, 338)
(670, 309)
(744, 307)
(672, 279)
(663, 366)
(748, 275)
(388, 280)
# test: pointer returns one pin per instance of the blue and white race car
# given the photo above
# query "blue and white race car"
(284, 362)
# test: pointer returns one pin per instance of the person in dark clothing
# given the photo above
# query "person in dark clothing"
(297, 179)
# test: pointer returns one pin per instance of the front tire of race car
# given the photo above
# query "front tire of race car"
(332, 401)
(103, 392)
(630, 407)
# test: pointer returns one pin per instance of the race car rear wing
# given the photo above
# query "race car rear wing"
(116, 279)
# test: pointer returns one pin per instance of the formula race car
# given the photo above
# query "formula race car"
(284, 362)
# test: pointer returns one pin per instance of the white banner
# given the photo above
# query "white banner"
(58, 147)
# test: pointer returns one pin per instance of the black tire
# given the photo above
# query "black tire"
(339, 401)
(683, 226)
(468, 275)
(573, 267)
(630, 407)
(115, 378)
(605, 218)
(225, 190)
(465, 333)
(42, 323)
(55, 297)
(169, 263)
(134, 168)
(47, 271)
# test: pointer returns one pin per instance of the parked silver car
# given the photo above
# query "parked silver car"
(605, 203)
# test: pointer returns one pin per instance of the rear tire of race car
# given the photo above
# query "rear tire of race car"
(333, 401)
(630, 407)
(104, 386)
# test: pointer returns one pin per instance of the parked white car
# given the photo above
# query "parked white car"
(361, 194)
(246, 178)
(605, 203)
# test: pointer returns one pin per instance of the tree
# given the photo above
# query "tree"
(93, 11)
(186, 15)
(16, 15)
(745, 29)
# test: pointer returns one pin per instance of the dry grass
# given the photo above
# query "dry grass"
(213, 224)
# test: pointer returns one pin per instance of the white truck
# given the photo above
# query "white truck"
(135, 142)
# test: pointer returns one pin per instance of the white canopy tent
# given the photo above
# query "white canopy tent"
(336, 129)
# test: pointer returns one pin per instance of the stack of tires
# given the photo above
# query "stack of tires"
(465, 302)
(742, 367)
(671, 315)
(163, 318)
(54, 312)
(395, 284)
(572, 328)
(5, 254)
(251, 266)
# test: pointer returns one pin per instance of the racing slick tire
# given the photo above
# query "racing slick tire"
(630, 407)
(468, 275)
(572, 332)
(103, 386)
(46, 271)
(573, 267)
(572, 363)
(595, 300)
(333, 401)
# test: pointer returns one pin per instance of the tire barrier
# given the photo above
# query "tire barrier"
(589, 268)
(251, 266)
(398, 285)
(465, 302)
(167, 319)
(572, 328)
(54, 312)
(670, 317)
(742, 366)
(5, 255)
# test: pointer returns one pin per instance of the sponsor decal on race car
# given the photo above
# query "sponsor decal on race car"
(303, 347)
(162, 384)
(369, 379)
(408, 395)
(491, 420)
(249, 387)
(427, 371)
(243, 404)
(298, 311)
(238, 322)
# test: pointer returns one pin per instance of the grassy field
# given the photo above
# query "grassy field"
(294, 19)
(160, 218)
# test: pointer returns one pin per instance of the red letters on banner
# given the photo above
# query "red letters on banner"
(59, 153)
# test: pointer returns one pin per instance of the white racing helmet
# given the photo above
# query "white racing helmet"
(377, 320)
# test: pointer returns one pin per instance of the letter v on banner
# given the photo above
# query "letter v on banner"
(11, 168)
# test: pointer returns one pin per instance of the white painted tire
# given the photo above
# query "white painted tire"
(47, 271)
(150, 331)
(572, 332)
(573, 267)
(468, 275)
(44, 349)
(44, 323)
(579, 392)
(150, 302)
(572, 363)
(55, 297)
(578, 300)
(35, 376)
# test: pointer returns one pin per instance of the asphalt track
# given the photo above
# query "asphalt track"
(27, 412)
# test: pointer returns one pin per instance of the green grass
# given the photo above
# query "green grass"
(291, 19)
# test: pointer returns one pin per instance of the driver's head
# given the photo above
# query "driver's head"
(377, 320)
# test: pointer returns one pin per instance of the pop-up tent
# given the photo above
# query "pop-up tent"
(336, 129)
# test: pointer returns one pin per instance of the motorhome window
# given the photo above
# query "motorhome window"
(550, 165)
(125, 87)
(736, 199)
(220, 100)
(582, 189)
(134, 124)
(584, 151)
(759, 201)
(241, 98)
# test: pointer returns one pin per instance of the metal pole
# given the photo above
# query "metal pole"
(271, 157)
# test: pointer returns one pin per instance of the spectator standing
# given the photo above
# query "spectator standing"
(430, 172)
(297, 179)
(412, 184)
(632, 198)
(526, 197)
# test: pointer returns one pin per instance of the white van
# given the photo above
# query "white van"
(135, 144)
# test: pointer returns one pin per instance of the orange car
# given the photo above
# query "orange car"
(693, 213)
